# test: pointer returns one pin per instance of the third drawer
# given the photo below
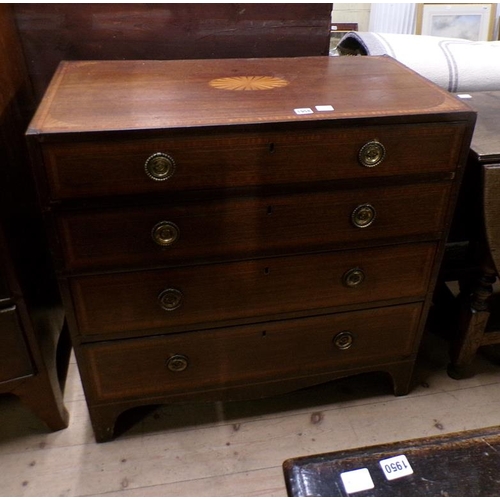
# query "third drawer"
(207, 295)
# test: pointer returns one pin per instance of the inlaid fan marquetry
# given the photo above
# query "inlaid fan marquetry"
(248, 83)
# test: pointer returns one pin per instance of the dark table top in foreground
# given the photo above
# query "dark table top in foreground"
(459, 464)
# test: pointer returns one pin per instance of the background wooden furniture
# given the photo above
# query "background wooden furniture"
(51, 33)
(33, 358)
(31, 314)
(461, 464)
(219, 239)
(476, 224)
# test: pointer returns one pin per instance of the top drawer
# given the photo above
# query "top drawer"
(214, 161)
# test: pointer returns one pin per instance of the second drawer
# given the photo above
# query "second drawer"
(247, 227)
(201, 296)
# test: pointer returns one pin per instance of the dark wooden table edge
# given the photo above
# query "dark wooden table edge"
(399, 447)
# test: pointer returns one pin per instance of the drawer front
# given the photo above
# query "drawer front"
(247, 227)
(248, 159)
(175, 299)
(230, 357)
(15, 360)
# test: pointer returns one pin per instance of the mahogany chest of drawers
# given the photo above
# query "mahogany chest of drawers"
(243, 227)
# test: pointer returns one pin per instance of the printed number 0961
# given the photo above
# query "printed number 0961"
(395, 466)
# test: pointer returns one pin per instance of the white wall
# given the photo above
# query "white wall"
(352, 13)
(384, 17)
(393, 18)
(401, 18)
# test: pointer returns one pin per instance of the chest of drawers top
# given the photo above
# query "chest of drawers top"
(99, 96)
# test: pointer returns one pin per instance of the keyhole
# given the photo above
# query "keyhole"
(266, 270)
(271, 147)
(270, 210)
(264, 333)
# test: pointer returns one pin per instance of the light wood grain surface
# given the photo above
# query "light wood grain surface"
(87, 96)
(236, 449)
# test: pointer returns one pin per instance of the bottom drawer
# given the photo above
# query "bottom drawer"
(229, 357)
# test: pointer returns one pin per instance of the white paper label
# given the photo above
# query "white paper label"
(303, 111)
(357, 480)
(464, 96)
(396, 467)
(327, 107)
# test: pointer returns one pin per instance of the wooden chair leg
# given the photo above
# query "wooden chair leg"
(472, 325)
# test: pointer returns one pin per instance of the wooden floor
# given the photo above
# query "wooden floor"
(236, 449)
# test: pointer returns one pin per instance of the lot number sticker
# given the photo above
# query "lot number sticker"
(396, 467)
(357, 480)
(303, 111)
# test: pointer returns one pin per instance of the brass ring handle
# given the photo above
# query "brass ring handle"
(343, 340)
(363, 215)
(165, 233)
(170, 299)
(159, 167)
(354, 277)
(177, 363)
(371, 154)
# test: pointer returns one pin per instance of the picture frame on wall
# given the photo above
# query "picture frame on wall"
(470, 21)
